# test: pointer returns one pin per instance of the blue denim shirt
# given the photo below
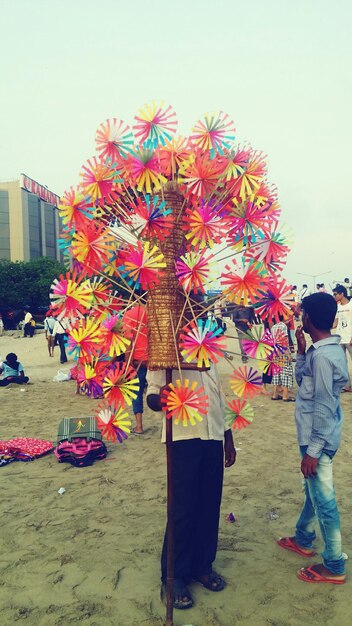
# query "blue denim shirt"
(320, 374)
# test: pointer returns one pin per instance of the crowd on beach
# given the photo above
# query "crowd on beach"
(321, 373)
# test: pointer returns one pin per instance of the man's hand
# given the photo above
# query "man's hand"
(301, 341)
(309, 466)
(230, 450)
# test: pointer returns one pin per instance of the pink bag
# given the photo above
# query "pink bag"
(80, 452)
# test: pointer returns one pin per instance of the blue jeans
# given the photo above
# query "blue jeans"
(137, 404)
(320, 503)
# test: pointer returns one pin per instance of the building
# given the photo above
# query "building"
(29, 221)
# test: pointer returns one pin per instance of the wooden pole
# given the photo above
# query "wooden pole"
(170, 517)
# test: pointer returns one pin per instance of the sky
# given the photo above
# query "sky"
(281, 69)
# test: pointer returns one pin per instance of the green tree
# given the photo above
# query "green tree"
(27, 283)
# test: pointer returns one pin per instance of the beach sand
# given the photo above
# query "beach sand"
(91, 556)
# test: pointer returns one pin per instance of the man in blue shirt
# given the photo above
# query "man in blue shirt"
(321, 373)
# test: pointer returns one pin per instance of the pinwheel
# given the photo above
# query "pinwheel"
(237, 164)
(270, 249)
(141, 266)
(215, 133)
(280, 337)
(75, 209)
(242, 282)
(101, 291)
(277, 300)
(193, 270)
(152, 218)
(249, 181)
(83, 338)
(258, 345)
(70, 294)
(93, 246)
(113, 422)
(144, 169)
(155, 123)
(121, 384)
(238, 414)
(172, 155)
(204, 224)
(184, 402)
(245, 219)
(90, 378)
(245, 382)
(200, 174)
(203, 342)
(100, 179)
(114, 139)
(112, 336)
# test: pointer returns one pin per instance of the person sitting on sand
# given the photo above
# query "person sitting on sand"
(321, 373)
(12, 371)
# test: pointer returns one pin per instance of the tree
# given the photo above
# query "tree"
(27, 283)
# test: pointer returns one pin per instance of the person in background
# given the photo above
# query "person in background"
(283, 381)
(11, 371)
(49, 324)
(135, 329)
(59, 332)
(1, 326)
(244, 318)
(321, 373)
(304, 292)
(343, 324)
(28, 330)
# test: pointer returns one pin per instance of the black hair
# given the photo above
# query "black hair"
(11, 360)
(304, 285)
(340, 289)
(321, 309)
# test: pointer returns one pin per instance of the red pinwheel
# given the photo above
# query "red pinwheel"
(75, 209)
(151, 218)
(172, 155)
(204, 224)
(114, 139)
(93, 246)
(121, 384)
(243, 281)
(193, 270)
(141, 266)
(270, 249)
(113, 422)
(184, 402)
(276, 300)
(245, 382)
(155, 123)
(100, 179)
(203, 342)
(70, 294)
(238, 414)
(201, 174)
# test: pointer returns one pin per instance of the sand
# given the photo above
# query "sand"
(91, 556)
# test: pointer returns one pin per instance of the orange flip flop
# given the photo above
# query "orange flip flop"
(309, 575)
(287, 543)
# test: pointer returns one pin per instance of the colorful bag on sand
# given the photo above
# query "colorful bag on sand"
(79, 441)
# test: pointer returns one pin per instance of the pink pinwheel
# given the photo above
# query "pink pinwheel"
(237, 163)
(100, 179)
(155, 124)
(114, 139)
(203, 342)
(121, 384)
(185, 402)
(75, 209)
(244, 220)
(215, 133)
(243, 281)
(258, 345)
(141, 266)
(201, 174)
(249, 181)
(93, 246)
(204, 224)
(112, 336)
(193, 270)
(270, 249)
(152, 218)
(144, 170)
(173, 155)
(70, 294)
(276, 300)
(113, 422)
(238, 414)
(245, 382)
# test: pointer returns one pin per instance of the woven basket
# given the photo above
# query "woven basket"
(166, 301)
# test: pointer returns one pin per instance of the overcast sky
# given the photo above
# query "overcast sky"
(281, 69)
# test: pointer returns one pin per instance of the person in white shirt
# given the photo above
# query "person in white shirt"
(1, 325)
(49, 324)
(59, 331)
(28, 324)
(343, 323)
(198, 462)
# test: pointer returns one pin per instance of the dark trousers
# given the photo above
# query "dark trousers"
(61, 339)
(18, 380)
(28, 330)
(198, 476)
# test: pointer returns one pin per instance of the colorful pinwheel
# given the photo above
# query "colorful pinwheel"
(193, 270)
(121, 384)
(215, 133)
(144, 169)
(75, 209)
(155, 124)
(245, 220)
(276, 300)
(258, 345)
(185, 402)
(90, 378)
(238, 414)
(201, 174)
(204, 224)
(70, 295)
(151, 218)
(112, 336)
(113, 422)
(203, 342)
(114, 139)
(245, 382)
(242, 282)
(173, 155)
(93, 246)
(83, 338)
(100, 179)
(141, 266)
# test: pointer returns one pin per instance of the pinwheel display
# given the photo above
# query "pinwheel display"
(141, 266)
(193, 270)
(276, 301)
(202, 342)
(245, 382)
(113, 422)
(238, 414)
(121, 384)
(257, 344)
(242, 282)
(184, 402)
